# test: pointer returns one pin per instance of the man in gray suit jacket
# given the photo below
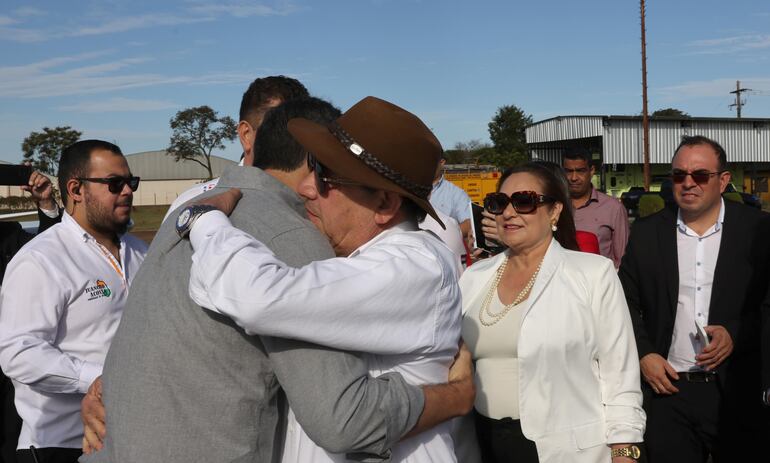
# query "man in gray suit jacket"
(183, 384)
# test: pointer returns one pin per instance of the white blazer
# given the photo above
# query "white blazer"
(579, 384)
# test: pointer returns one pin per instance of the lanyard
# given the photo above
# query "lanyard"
(111, 259)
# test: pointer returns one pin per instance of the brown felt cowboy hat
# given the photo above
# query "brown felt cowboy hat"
(379, 145)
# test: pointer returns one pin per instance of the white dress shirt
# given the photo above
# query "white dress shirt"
(451, 235)
(59, 307)
(396, 297)
(697, 258)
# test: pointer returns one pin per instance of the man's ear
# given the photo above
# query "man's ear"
(75, 190)
(388, 206)
(246, 135)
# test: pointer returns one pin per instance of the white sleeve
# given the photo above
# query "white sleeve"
(618, 360)
(31, 305)
(383, 301)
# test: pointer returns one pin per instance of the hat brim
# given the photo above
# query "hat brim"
(324, 146)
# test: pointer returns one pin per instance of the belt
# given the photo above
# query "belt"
(698, 376)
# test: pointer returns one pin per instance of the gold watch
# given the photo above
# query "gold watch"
(631, 451)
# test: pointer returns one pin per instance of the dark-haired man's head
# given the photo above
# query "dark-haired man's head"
(275, 149)
(97, 186)
(264, 93)
(578, 169)
(700, 175)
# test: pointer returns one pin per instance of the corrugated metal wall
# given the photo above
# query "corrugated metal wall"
(547, 154)
(744, 141)
(564, 128)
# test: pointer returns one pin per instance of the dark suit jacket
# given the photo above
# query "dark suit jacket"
(650, 276)
(13, 237)
(766, 341)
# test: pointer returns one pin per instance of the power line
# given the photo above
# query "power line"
(738, 102)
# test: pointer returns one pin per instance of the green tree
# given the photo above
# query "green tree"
(466, 152)
(501, 160)
(670, 113)
(506, 130)
(197, 132)
(44, 148)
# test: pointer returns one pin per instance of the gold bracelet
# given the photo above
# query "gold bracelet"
(632, 451)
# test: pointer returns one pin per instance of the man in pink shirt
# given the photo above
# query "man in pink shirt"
(595, 212)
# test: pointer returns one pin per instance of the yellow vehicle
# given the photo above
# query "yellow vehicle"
(476, 180)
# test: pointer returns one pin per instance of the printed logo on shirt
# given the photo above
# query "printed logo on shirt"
(100, 289)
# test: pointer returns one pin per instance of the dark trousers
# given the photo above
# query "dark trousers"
(10, 423)
(501, 441)
(699, 421)
(49, 455)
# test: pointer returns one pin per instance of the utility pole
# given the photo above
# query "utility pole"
(738, 103)
(645, 119)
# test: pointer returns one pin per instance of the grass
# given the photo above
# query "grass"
(148, 218)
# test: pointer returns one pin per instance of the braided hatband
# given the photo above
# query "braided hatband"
(421, 191)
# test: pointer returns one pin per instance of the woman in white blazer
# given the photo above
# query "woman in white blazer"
(557, 370)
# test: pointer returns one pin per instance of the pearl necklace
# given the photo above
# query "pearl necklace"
(496, 317)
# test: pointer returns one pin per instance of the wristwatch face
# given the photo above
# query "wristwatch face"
(184, 216)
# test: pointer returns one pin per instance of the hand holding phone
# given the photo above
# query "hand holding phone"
(702, 333)
(14, 175)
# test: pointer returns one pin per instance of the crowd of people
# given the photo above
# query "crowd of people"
(315, 304)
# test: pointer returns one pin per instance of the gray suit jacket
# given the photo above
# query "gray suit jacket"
(184, 384)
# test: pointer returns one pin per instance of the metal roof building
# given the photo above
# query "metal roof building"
(619, 139)
(157, 165)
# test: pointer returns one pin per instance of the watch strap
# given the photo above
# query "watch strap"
(196, 210)
(631, 451)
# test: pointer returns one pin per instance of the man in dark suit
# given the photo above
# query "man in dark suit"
(694, 278)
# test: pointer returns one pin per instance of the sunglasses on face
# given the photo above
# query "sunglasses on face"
(700, 177)
(115, 184)
(523, 202)
(322, 181)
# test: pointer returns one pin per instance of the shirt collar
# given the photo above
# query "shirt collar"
(405, 226)
(69, 222)
(594, 197)
(438, 184)
(717, 226)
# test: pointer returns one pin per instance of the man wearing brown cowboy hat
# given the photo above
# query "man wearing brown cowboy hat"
(392, 292)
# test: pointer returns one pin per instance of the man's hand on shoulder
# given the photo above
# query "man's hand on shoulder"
(92, 413)
(224, 202)
(656, 371)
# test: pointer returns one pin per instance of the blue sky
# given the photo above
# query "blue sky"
(119, 70)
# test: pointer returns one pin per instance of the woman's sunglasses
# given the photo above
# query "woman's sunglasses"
(523, 202)
(701, 177)
(115, 184)
(322, 181)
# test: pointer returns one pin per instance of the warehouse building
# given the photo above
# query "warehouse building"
(616, 142)
(163, 179)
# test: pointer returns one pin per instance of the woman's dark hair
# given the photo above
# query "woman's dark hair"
(553, 187)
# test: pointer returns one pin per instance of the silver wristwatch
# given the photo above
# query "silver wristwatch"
(189, 215)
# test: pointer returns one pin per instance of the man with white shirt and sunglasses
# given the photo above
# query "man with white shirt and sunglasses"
(63, 297)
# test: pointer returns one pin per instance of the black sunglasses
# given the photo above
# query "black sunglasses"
(523, 202)
(701, 177)
(114, 184)
(322, 181)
